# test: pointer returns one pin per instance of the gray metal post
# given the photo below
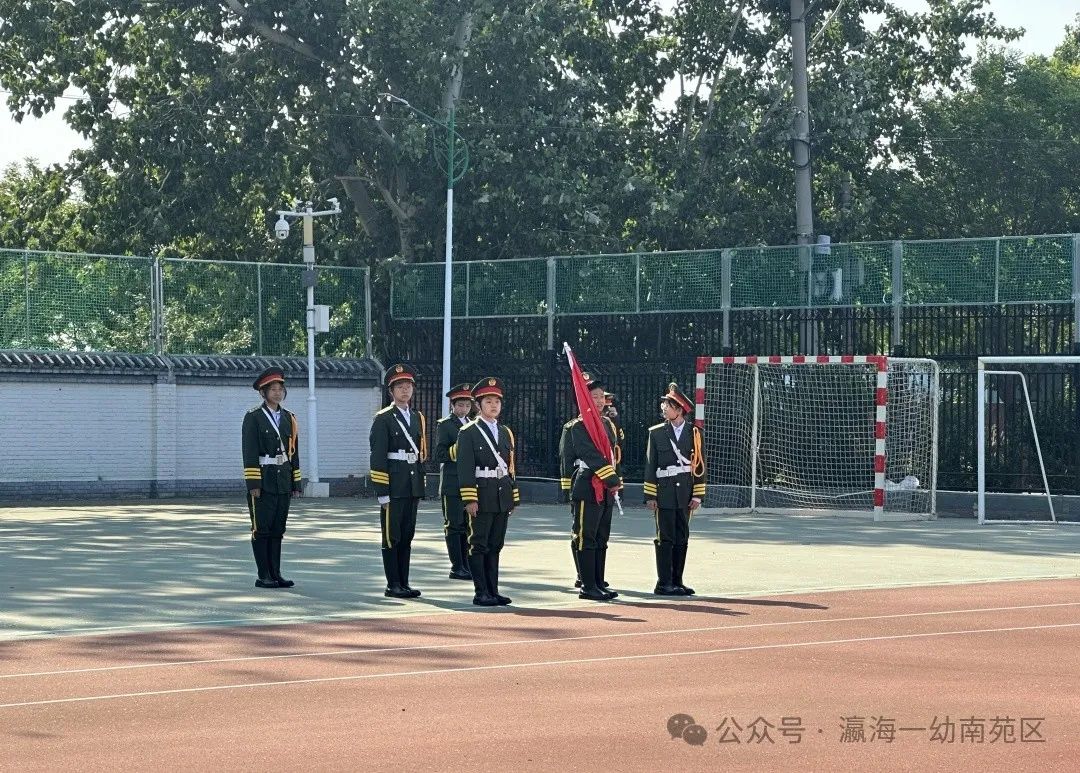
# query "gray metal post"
(637, 283)
(804, 212)
(368, 348)
(26, 291)
(997, 269)
(259, 308)
(1076, 292)
(157, 313)
(468, 286)
(897, 298)
(725, 297)
(550, 303)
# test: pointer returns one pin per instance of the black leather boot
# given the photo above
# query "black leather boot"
(664, 585)
(275, 563)
(491, 565)
(483, 597)
(404, 556)
(261, 549)
(587, 560)
(393, 579)
(457, 560)
(678, 562)
(601, 582)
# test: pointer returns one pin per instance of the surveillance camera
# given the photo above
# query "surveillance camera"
(281, 228)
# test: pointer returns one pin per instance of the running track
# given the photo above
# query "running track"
(581, 688)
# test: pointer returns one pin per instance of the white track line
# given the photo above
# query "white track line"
(413, 612)
(536, 664)
(514, 642)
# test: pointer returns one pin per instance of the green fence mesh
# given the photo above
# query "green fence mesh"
(64, 302)
(56, 301)
(1030, 269)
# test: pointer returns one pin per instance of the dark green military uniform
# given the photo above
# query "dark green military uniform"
(674, 474)
(270, 447)
(455, 521)
(398, 451)
(581, 461)
(491, 483)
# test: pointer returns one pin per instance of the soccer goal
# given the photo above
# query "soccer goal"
(830, 435)
(1026, 414)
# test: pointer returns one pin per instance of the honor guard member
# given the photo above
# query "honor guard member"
(398, 453)
(611, 411)
(455, 521)
(272, 474)
(485, 461)
(674, 487)
(580, 461)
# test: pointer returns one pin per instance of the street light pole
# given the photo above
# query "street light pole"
(455, 163)
(315, 487)
(448, 272)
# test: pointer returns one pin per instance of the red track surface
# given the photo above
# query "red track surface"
(575, 689)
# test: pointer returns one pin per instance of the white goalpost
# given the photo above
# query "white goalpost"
(1002, 419)
(830, 435)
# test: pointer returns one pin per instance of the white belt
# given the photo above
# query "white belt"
(403, 456)
(485, 472)
(672, 471)
(273, 460)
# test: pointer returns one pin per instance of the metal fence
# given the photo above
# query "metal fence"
(896, 275)
(80, 302)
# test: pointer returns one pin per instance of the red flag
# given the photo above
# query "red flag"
(590, 417)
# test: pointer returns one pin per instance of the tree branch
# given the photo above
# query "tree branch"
(270, 34)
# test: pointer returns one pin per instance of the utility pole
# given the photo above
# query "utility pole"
(800, 150)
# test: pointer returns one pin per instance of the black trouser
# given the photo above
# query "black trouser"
(398, 525)
(487, 532)
(672, 536)
(268, 513)
(592, 523)
(456, 529)
(672, 526)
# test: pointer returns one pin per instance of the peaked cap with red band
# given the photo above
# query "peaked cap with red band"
(487, 386)
(677, 397)
(399, 372)
(268, 377)
(460, 392)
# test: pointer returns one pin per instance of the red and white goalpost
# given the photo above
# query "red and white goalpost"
(837, 435)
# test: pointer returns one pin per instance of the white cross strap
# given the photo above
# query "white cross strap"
(408, 435)
(503, 466)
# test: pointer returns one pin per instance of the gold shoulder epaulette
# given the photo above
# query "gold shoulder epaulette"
(384, 410)
(657, 426)
(470, 423)
(572, 422)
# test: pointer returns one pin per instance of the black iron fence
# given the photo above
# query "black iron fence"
(639, 354)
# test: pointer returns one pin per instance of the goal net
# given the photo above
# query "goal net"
(1026, 436)
(852, 435)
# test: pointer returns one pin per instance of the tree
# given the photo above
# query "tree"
(1001, 157)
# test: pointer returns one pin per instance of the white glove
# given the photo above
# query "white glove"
(384, 500)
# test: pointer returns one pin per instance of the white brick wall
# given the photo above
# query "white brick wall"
(73, 431)
(112, 431)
